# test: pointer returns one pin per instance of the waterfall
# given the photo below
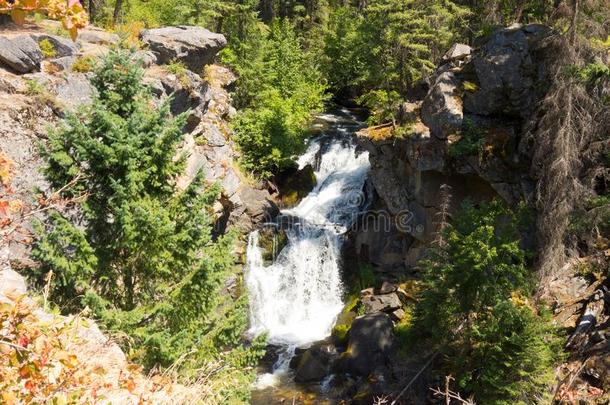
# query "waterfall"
(296, 299)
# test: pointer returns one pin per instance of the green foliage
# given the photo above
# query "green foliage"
(366, 276)
(474, 306)
(144, 261)
(389, 44)
(34, 87)
(382, 104)
(178, 69)
(278, 88)
(47, 48)
(471, 141)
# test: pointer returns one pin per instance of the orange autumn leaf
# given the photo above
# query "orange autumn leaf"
(131, 385)
(18, 16)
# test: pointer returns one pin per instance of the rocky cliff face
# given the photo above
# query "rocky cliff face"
(465, 134)
(469, 138)
(37, 87)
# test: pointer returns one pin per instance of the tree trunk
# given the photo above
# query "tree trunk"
(117, 12)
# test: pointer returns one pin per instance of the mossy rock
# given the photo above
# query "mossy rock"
(340, 332)
(296, 184)
(272, 240)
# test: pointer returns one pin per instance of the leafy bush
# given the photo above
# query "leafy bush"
(495, 342)
(471, 141)
(382, 104)
(144, 261)
(278, 89)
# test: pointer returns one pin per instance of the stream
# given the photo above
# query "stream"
(296, 298)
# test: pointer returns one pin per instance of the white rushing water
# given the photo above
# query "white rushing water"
(297, 298)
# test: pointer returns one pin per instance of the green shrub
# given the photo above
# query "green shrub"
(475, 308)
(279, 88)
(382, 105)
(47, 48)
(366, 276)
(471, 141)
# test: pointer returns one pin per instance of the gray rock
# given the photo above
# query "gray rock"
(457, 52)
(97, 36)
(398, 315)
(59, 64)
(148, 58)
(75, 91)
(315, 363)
(21, 53)
(442, 108)
(381, 303)
(387, 287)
(506, 72)
(63, 46)
(194, 46)
(371, 340)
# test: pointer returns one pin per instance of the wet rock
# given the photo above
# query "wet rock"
(370, 344)
(381, 303)
(194, 46)
(21, 53)
(315, 363)
(296, 184)
(442, 108)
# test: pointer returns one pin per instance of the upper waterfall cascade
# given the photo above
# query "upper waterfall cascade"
(297, 298)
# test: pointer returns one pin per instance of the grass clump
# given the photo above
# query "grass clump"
(83, 64)
(179, 69)
(47, 48)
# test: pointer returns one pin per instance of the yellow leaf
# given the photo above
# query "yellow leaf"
(18, 16)
(29, 4)
(9, 398)
(73, 33)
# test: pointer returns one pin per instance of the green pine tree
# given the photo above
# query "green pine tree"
(140, 253)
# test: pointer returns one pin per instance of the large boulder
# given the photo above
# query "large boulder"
(21, 54)
(315, 363)
(507, 66)
(63, 46)
(457, 52)
(371, 340)
(381, 303)
(194, 46)
(442, 108)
